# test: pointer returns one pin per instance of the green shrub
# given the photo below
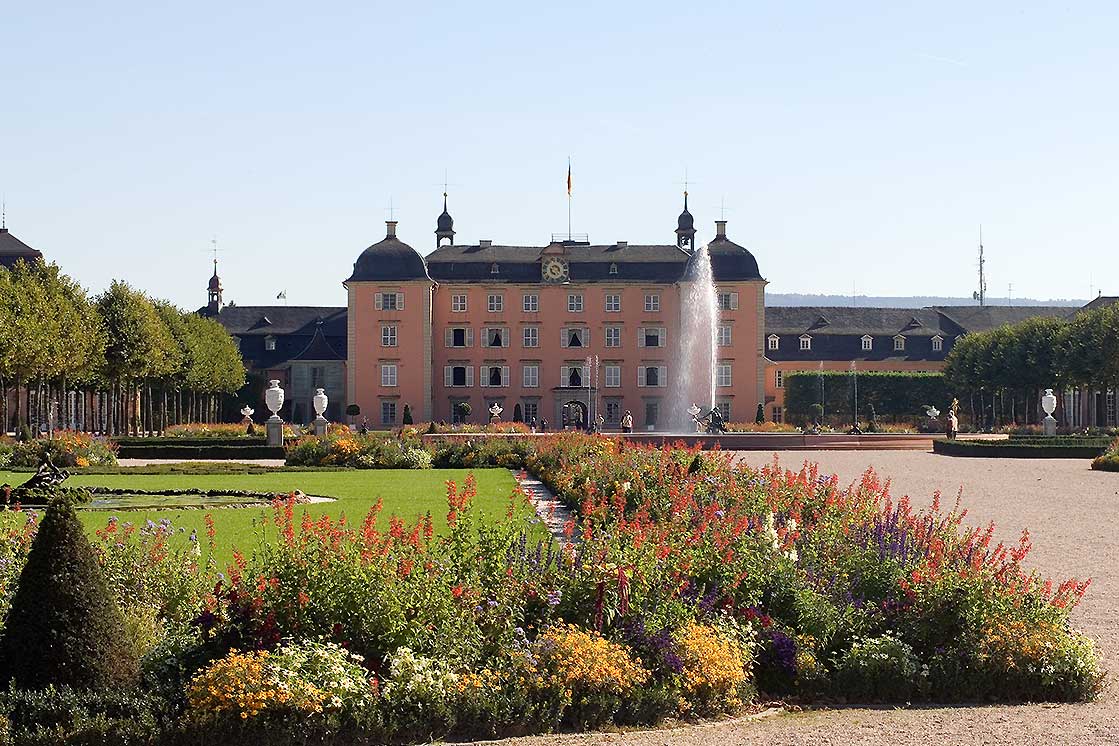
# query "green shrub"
(67, 716)
(892, 394)
(511, 453)
(64, 627)
(880, 669)
(1108, 461)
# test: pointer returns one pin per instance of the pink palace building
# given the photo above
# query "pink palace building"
(517, 325)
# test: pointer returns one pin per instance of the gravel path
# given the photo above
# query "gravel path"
(1073, 517)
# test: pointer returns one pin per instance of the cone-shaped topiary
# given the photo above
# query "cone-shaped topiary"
(64, 626)
(407, 419)
(759, 418)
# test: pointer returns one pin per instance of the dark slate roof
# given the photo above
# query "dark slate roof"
(587, 262)
(1102, 301)
(278, 320)
(917, 322)
(984, 318)
(389, 259)
(319, 348)
(12, 250)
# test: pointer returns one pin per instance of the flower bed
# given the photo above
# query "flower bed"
(1108, 461)
(358, 451)
(67, 449)
(688, 587)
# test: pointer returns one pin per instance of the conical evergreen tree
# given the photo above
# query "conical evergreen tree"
(64, 626)
(407, 418)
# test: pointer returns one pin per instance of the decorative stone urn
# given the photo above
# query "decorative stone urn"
(247, 418)
(1049, 405)
(274, 400)
(495, 412)
(319, 402)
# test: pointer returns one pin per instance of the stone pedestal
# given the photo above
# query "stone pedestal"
(1049, 425)
(320, 426)
(274, 428)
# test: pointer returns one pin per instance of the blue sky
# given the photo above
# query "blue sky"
(855, 145)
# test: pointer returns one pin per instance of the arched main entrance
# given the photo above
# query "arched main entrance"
(574, 414)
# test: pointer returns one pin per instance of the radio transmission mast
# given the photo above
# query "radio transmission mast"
(981, 294)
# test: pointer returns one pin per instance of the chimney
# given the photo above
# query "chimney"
(623, 244)
(485, 243)
(720, 229)
(390, 225)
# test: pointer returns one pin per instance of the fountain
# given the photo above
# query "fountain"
(692, 380)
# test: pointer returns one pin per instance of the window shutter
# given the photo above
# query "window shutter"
(504, 375)
(469, 337)
(448, 376)
(585, 375)
(734, 301)
(448, 337)
(660, 337)
(484, 376)
(586, 337)
(641, 376)
(563, 375)
(640, 337)
(505, 337)
(400, 301)
(470, 375)
(563, 338)
(662, 376)
(379, 301)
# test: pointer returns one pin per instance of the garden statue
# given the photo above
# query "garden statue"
(714, 422)
(364, 429)
(694, 411)
(1049, 405)
(46, 476)
(319, 402)
(274, 426)
(247, 421)
(495, 412)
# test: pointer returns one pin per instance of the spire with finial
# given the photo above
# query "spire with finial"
(213, 290)
(685, 227)
(445, 225)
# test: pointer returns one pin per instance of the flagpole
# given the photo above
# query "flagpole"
(569, 198)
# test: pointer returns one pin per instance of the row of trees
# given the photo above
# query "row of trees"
(890, 395)
(116, 363)
(1003, 372)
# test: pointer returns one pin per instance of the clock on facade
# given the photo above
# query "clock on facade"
(554, 269)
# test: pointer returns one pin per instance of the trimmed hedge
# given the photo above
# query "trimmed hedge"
(891, 394)
(172, 441)
(194, 452)
(1078, 448)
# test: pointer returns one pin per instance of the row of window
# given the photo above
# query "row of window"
(612, 410)
(530, 302)
(577, 376)
(774, 343)
(496, 336)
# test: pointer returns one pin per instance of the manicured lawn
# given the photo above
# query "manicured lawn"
(406, 493)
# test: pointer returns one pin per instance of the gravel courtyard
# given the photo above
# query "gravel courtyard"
(1073, 517)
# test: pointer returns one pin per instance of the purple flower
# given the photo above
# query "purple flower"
(554, 597)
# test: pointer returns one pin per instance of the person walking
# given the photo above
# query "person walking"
(532, 424)
(627, 422)
(544, 425)
(953, 424)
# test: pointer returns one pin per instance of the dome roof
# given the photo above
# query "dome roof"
(215, 282)
(685, 222)
(729, 261)
(389, 259)
(445, 222)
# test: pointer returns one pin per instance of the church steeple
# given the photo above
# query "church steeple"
(444, 226)
(685, 227)
(213, 291)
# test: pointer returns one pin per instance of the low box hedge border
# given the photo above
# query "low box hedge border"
(160, 441)
(1015, 449)
(194, 452)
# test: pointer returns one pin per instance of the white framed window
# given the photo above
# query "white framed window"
(778, 415)
(613, 303)
(938, 343)
(494, 376)
(899, 343)
(495, 336)
(269, 343)
(805, 342)
(388, 335)
(612, 336)
(613, 410)
(724, 336)
(575, 302)
(728, 301)
(532, 410)
(530, 376)
(530, 302)
(613, 269)
(652, 303)
(494, 269)
(458, 303)
(651, 336)
(652, 376)
(388, 374)
(575, 336)
(773, 342)
(574, 376)
(458, 376)
(779, 379)
(388, 301)
(458, 336)
(722, 375)
(495, 303)
(612, 376)
(652, 411)
(724, 410)
(868, 343)
(388, 413)
(530, 336)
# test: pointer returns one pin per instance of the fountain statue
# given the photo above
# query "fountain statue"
(694, 411)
